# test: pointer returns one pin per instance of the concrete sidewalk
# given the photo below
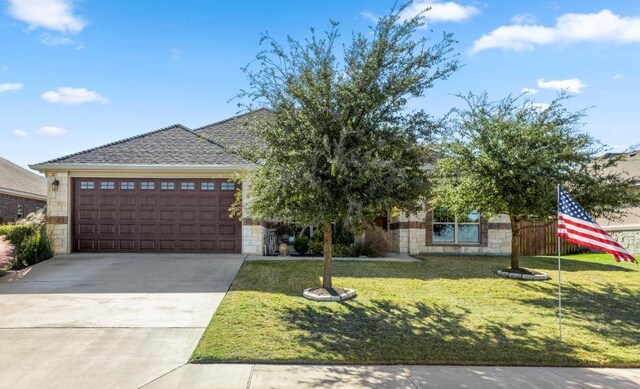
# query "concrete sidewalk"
(397, 376)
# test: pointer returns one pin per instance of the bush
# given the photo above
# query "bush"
(378, 239)
(34, 219)
(316, 244)
(301, 244)
(366, 249)
(341, 250)
(31, 242)
(36, 248)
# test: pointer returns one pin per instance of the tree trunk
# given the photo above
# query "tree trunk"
(328, 252)
(515, 244)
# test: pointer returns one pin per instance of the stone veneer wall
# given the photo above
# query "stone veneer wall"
(628, 237)
(253, 232)
(58, 212)
(409, 235)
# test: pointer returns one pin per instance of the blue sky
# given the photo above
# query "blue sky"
(78, 74)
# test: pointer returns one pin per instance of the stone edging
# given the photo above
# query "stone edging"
(348, 294)
(519, 276)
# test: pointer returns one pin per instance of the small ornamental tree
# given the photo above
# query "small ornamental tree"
(508, 157)
(340, 144)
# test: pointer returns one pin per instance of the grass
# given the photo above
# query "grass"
(442, 310)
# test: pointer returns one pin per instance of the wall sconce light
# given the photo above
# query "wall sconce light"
(54, 185)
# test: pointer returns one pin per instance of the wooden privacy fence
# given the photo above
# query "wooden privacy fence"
(539, 238)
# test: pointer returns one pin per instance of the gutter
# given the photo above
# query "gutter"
(94, 167)
(18, 193)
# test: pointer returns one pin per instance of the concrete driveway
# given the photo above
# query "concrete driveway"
(107, 320)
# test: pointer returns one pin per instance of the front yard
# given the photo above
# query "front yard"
(443, 310)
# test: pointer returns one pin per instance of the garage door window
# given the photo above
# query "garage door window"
(147, 185)
(228, 186)
(87, 185)
(167, 185)
(207, 186)
(187, 185)
(107, 185)
(127, 185)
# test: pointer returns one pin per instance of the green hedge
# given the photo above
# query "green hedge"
(31, 244)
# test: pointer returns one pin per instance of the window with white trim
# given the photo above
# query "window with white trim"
(19, 212)
(187, 185)
(451, 228)
(228, 186)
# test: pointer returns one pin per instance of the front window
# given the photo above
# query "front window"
(451, 228)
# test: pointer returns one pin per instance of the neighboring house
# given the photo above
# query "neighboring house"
(169, 191)
(626, 230)
(21, 192)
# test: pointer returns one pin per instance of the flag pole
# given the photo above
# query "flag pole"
(559, 273)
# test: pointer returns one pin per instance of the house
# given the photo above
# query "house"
(169, 190)
(626, 230)
(21, 192)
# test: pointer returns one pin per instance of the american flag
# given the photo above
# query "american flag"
(575, 225)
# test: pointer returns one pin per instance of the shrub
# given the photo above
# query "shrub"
(378, 239)
(365, 248)
(316, 244)
(341, 250)
(284, 229)
(301, 244)
(31, 242)
(34, 219)
(36, 248)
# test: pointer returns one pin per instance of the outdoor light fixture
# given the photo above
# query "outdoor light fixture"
(54, 185)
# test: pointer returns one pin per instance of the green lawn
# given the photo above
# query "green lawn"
(443, 310)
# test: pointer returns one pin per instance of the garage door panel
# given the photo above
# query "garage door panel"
(148, 229)
(153, 215)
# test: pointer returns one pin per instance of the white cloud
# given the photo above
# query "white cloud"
(19, 133)
(51, 40)
(617, 76)
(4, 68)
(573, 85)
(55, 15)
(370, 16)
(52, 131)
(541, 106)
(524, 19)
(530, 91)
(9, 86)
(440, 11)
(74, 96)
(604, 26)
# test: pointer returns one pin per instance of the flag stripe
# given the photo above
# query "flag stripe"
(575, 225)
(587, 233)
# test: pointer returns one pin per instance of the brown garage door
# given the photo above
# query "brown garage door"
(154, 215)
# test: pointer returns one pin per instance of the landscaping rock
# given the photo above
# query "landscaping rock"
(523, 274)
(335, 294)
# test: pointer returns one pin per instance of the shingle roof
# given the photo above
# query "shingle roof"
(232, 132)
(629, 164)
(13, 178)
(174, 145)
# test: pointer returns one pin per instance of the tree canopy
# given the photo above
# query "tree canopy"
(341, 143)
(508, 157)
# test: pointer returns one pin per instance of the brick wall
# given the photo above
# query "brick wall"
(9, 206)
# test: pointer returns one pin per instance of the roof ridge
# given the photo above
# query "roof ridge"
(177, 125)
(229, 119)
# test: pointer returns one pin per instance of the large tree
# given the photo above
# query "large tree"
(507, 157)
(341, 144)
